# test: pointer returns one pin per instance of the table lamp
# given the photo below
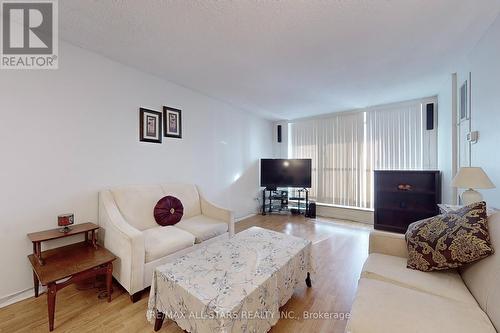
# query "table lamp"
(471, 178)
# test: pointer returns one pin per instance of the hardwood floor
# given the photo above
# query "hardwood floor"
(339, 250)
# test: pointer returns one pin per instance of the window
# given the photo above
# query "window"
(345, 149)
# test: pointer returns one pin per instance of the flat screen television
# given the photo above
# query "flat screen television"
(285, 172)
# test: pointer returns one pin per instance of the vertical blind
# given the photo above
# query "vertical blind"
(345, 149)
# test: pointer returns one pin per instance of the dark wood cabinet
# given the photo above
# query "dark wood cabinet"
(403, 197)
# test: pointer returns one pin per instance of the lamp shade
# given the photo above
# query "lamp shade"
(472, 177)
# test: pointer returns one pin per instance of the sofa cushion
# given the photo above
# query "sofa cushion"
(162, 241)
(203, 227)
(482, 277)
(393, 270)
(136, 204)
(187, 194)
(449, 240)
(381, 307)
(168, 211)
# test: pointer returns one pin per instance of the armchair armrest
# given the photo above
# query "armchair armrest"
(388, 243)
(123, 240)
(211, 210)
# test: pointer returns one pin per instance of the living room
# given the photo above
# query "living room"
(221, 166)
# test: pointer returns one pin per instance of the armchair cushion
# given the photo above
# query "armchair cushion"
(162, 241)
(203, 227)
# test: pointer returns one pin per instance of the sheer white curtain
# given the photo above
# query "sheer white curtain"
(336, 148)
(395, 137)
(345, 149)
(304, 138)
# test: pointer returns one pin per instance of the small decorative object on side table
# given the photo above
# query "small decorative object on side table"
(64, 221)
(77, 262)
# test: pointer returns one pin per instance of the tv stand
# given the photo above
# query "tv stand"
(276, 200)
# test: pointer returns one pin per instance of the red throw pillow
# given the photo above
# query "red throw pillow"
(168, 211)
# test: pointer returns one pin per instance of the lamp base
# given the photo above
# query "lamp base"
(470, 196)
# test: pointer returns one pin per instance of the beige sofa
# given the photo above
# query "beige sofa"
(129, 230)
(392, 298)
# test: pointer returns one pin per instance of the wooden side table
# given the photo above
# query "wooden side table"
(74, 263)
(42, 236)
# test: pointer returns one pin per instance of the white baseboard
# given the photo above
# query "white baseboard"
(244, 217)
(19, 296)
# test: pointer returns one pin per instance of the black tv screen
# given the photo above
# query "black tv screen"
(285, 173)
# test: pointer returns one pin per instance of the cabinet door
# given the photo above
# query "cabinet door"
(396, 220)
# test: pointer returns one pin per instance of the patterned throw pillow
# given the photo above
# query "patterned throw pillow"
(449, 240)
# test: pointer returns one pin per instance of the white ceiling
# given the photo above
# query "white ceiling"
(286, 59)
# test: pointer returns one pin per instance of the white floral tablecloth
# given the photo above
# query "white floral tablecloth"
(236, 285)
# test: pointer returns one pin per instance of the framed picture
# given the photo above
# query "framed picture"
(172, 122)
(464, 99)
(150, 126)
(464, 122)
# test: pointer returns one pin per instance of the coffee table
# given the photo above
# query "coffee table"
(234, 285)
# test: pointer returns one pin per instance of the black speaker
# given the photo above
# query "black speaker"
(430, 116)
(279, 133)
(311, 211)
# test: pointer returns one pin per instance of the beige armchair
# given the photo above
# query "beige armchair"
(129, 230)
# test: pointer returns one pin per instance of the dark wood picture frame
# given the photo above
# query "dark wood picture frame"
(167, 111)
(144, 136)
